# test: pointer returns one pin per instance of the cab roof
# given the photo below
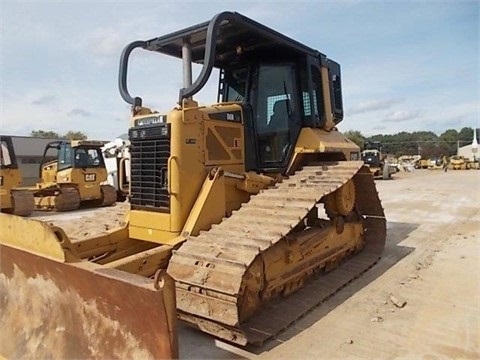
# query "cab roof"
(236, 35)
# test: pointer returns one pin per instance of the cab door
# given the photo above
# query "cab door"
(276, 118)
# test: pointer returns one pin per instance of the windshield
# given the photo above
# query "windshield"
(79, 157)
(235, 83)
(273, 111)
(88, 157)
(64, 156)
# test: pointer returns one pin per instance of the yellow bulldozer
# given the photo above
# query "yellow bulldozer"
(77, 176)
(457, 162)
(13, 199)
(256, 205)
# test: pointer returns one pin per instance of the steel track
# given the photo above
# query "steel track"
(210, 269)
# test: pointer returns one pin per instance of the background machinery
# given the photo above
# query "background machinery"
(373, 156)
(78, 175)
(245, 201)
(438, 163)
(457, 162)
(116, 155)
(13, 200)
(422, 164)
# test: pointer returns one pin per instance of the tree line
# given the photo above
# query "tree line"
(70, 135)
(424, 143)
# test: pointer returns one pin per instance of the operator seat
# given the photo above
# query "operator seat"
(279, 126)
(83, 160)
(279, 118)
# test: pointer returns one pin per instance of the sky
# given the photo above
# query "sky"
(406, 65)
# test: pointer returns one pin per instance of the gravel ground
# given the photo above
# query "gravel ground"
(421, 300)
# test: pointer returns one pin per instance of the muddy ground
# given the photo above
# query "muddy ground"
(421, 300)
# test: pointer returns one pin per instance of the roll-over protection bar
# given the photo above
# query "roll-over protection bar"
(122, 74)
(190, 89)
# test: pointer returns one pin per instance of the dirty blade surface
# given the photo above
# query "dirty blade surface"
(52, 309)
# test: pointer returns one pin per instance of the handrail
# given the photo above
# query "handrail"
(186, 92)
(210, 46)
(122, 73)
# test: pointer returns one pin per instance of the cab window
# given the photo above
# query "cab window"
(64, 156)
(88, 158)
(274, 113)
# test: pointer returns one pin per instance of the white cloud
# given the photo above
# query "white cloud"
(402, 115)
(105, 42)
(373, 105)
(64, 56)
(98, 123)
(78, 112)
(45, 99)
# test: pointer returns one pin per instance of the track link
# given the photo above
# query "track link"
(68, 199)
(23, 202)
(212, 269)
(60, 199)
(109, 195)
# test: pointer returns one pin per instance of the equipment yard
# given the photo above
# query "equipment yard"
(421, 300)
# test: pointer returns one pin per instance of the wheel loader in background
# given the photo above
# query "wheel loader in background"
(77, 176)
(13, 200)
(256, 205)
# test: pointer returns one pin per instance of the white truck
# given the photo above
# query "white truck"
(117, 161)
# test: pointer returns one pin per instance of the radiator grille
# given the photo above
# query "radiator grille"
(150, 150)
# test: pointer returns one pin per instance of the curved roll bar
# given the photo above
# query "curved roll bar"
(122, 73)
(186, 92)
(210, 45)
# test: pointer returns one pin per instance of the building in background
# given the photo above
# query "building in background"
(466, 151)
(29, 152)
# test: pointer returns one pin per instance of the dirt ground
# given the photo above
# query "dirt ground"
(84, 223)
(421, 300)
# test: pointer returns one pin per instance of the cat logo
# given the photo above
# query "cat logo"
(90, 177)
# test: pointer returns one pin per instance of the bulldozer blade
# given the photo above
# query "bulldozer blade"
(57, 309)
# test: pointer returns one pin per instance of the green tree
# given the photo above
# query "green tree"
(44, 134)
(356, 137)
(405, 143)
(449, 140)
(424, 143)
(465, 136)
(70, 135)
(75, 135)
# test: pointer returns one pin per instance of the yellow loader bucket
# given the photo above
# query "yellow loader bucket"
(54, 305)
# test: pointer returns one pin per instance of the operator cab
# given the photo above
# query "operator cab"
(273, 122)
(79, 156)
(279, 82)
